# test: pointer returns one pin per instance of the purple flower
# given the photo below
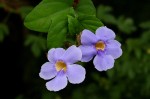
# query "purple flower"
(101, 44)
(60, 67)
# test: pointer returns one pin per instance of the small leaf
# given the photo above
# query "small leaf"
(74, 26)
(90, 22)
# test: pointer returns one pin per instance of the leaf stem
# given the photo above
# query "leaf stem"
(75, 3)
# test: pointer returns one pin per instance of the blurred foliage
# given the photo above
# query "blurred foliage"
(4, 31)
(129, 79)
(24, 10)
(145, 25)
(37, 44)
(125, 25)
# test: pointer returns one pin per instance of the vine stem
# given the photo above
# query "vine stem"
(75, 3)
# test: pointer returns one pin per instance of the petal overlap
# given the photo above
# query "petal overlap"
(88, 53)
(58, 83)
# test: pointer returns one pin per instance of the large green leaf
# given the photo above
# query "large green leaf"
(57, 32)
(85, 7)
(40, 18)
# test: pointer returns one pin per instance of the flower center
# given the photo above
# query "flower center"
(100, 45)
(60, 65)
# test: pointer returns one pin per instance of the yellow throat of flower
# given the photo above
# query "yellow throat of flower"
(100, 45)
(60, 65)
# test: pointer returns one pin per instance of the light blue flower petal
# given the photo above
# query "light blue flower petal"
(87, 52)
(103, 62)
(48, 71)
(58, 53)
(113, 43)
(88, 38)
(72, 55)
(114, 52)
(58, 83)
(113, 49)
(50, 55)
(75, 73)
(103, 33)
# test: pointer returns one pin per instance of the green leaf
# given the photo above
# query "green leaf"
(85, 7)
(57, 33)
(90, 22)
(42, 15)
(74, 26)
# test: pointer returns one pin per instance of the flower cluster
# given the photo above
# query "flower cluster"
(61, 68)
